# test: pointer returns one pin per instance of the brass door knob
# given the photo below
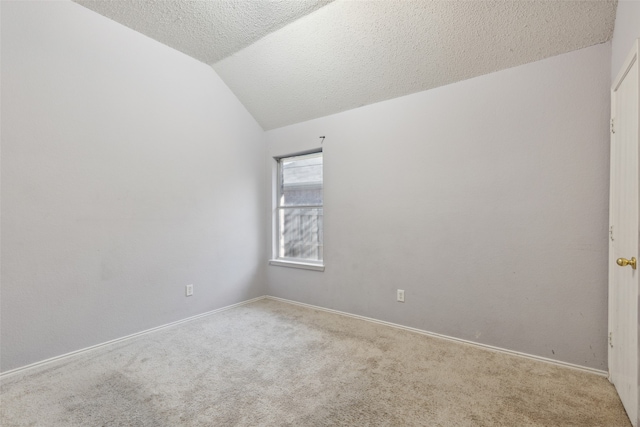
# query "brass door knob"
(623, 262)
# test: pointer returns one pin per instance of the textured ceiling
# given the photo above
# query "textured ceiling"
(353, 53)
(208, 30)
(289, 65)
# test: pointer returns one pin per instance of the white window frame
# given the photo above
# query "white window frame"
(277, 197)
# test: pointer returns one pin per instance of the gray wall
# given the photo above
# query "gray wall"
(128, 171)
(485, 200)
(626, 31)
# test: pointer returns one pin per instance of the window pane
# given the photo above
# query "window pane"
(301, 233)
(301, 180)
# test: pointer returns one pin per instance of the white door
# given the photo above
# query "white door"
(623, 239)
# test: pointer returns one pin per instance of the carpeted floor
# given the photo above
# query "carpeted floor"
(275, 364)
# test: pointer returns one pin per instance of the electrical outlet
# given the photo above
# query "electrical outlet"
(400, 295)
(189, 290)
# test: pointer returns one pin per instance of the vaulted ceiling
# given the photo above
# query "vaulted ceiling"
(295, 60)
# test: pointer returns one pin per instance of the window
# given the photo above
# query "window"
(299, 209)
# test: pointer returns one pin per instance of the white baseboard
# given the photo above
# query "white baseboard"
(448, 338)
(315, 307)
(128, 337)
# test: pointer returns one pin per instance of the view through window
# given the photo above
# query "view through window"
(300, 208)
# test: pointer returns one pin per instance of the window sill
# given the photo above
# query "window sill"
(294, 264)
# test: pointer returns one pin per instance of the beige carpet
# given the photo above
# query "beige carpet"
(275, 364)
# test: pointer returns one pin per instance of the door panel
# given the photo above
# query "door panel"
(623, 241)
